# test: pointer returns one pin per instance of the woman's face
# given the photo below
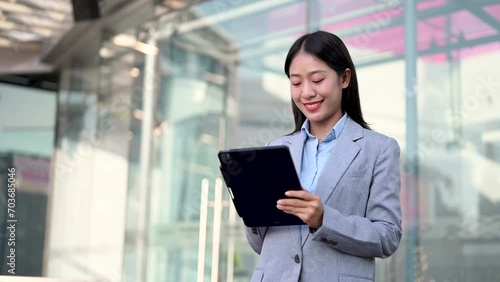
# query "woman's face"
(317, 90)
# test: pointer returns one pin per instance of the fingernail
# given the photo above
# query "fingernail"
(287, 193)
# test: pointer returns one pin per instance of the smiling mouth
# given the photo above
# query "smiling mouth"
(313, 106)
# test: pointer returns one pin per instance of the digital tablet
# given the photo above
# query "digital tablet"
(256, 179)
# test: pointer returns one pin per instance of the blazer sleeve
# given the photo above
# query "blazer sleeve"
(255, 237)
(378, 233)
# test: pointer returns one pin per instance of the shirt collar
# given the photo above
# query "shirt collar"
(331, 135)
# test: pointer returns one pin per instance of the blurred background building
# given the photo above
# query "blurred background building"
(113, 111)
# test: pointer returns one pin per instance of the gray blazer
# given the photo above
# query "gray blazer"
(359, 187)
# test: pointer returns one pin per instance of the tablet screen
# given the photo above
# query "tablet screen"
(256, 178)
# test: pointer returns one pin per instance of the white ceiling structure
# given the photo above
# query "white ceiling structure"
(28, 28)
(37, 36)
(30, 20)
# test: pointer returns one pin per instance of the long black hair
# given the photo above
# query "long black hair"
(330, 49)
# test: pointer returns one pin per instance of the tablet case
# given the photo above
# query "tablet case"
(256, 178)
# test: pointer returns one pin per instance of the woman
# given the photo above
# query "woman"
(350, 176)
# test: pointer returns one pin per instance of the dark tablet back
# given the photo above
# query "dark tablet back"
(257, 178)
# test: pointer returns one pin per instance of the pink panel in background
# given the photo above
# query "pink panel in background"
(369, 23)
(286, 17)
(387, 40)
(471, 26)
(425, 5)
(464, 53)
(331, 8)
(373, 36)
(431, 33)
(494, 10)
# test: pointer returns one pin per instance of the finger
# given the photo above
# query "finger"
(310, 218)
(305, 217)
(293, 210)
(304, 195)
(293, 203)
(302, 212)
(301, 194)
(300, 206)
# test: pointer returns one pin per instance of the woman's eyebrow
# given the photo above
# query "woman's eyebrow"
(310, 73)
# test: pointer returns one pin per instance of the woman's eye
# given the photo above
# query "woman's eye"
(318, 81)
(296, 84)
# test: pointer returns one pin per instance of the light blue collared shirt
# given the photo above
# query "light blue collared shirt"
(314, 155)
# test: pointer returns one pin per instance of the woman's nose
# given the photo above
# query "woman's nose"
(308, 91)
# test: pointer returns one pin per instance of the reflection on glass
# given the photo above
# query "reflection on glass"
(221, 84)
(218, 82)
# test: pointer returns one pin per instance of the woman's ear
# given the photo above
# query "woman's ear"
(346, 78)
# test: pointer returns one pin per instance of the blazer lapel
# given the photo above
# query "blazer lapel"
(296, 144)
(343, 154)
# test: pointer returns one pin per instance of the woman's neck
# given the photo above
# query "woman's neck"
(321, 129)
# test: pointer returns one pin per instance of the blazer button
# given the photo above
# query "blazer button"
(297, 259)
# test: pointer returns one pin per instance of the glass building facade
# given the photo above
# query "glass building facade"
(135, 190)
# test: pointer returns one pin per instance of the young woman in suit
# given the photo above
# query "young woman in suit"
(350, 176)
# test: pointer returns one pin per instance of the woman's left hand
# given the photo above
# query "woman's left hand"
(304, 205)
